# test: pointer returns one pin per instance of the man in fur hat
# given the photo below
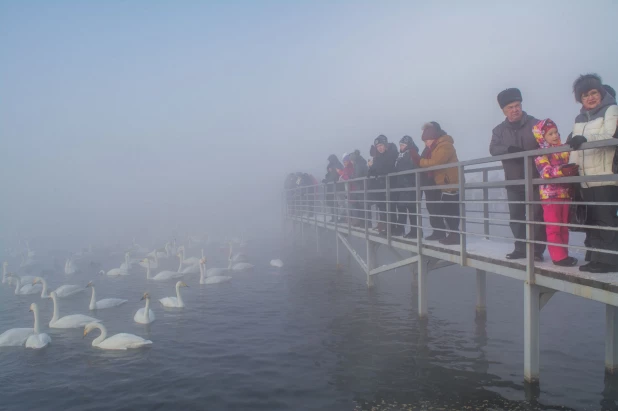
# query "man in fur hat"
(514, 135)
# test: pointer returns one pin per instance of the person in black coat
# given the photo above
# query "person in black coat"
(331, 178)
(406, 200)
(383, 162)
(357, 203)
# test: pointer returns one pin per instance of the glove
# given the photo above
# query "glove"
(514, 149)
(570, 170)
(416, 158)
(577, 141)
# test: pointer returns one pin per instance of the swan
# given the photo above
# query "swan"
(68, 321)
(114, 272)
(127, 262)
(174, 302)
(15, 337)
(69, 266)
(62, 291)
(240, 266)
(214, 279)
(120, 341)
(27, 261)
(236, 258)
(144, 315)
(37, 339)
(26, 289)
(163, 275)
(190, 260)
(153, 264)
(104, 303)
(5, 267)
(276, 263)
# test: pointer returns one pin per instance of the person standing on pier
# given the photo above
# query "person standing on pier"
(331, 178)
(384, 155)
(514, 135)
(597, 121)
(406, 200)
(357, 200)
(555, 197)
(440, 149)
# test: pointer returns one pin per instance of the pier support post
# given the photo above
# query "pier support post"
(422, 286)
(611, 339)
(481, 294)
(532, 326)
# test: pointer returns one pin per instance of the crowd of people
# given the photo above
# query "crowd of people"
(597, 120)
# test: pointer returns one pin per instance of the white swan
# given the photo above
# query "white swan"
(276, 263)
(127, 262)
(123, 270)
(5, 267)
(15, 337)
(120, 341)
(153, 264)
(215, 279)
(26, 289)
(174, 302)
(163, 275)
(62, 291)
(144, 315)
(68, 321)
(104, 303)
(69, 266)
(187, 261)
(236, 258)
(240, 266)
(37, 339)
(192, 269)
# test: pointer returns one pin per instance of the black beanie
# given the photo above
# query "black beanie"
(506, 97)
(381, 139)
(332, 158)
(610, 90)
(587, 82)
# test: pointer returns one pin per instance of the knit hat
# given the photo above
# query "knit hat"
(587, 82)
(506, 97)
(610, 90)
(381, 139)
(431, 131)
(407, 140)
(345, 157)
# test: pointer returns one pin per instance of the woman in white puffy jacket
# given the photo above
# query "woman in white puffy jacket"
(597, 120)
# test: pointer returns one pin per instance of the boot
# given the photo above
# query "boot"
(411, 234)
(397, 230)
(436, 235)
(450, 239)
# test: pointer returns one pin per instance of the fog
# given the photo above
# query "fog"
(142, 119)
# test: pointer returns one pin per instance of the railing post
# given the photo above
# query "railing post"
(365, 213)
(347, 204)
(529, 196)
(422, 264)
(486, 205)
(388, 214)
(462, 215)
(611, 339)
(336, 212)
(481, 293)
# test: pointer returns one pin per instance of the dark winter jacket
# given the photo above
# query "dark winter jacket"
(332, 175)
(383, 164)
(403, 163)
(517, 134)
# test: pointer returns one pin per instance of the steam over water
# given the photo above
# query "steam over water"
(306, 337)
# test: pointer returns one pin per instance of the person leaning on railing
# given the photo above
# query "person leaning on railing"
(357, 204)
(331, 178)
(514, 135)
(384, 155)
(597, 121)
(406, 200)
(440, 149)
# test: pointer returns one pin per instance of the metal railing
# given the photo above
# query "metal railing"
(348, 204)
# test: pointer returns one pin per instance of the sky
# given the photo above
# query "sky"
(144, 117)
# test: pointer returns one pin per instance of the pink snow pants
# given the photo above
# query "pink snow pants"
(557, 213)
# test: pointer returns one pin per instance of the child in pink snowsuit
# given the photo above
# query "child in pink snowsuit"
(553, 166)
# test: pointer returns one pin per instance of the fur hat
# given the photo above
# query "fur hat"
(610, 90)
(587, 82)
(431, 131)
(506, 97)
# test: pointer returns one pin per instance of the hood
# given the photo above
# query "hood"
(538, 135)
(599, 111)
(445, 139)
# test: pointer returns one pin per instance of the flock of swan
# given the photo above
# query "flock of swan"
(151, 260)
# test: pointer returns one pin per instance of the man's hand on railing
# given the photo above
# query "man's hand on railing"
(372, 173)
(514, 149)
(577, 141)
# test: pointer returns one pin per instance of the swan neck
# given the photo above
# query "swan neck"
(101, 337)
(93, 299)
(44, 291)
(148, 270)
(178, 297)
(202, 272)
(37, 329)
(17, 284)
(147, 310)
(55, 315)
(180, 265)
